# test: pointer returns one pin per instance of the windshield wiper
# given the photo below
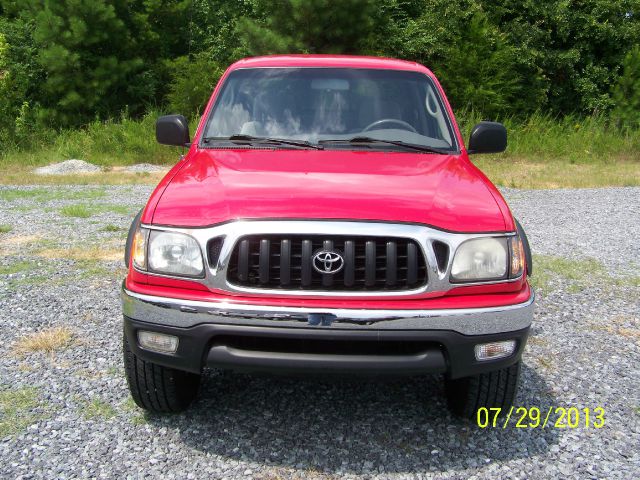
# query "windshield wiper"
(397, 143)
(242, 138)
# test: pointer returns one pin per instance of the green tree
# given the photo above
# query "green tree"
(578, 46)
(213, 43)
(21, 78)
(480, 72)
(192, 84)
(626, 93)
(309, 26)
(477, 64)
(102, 57)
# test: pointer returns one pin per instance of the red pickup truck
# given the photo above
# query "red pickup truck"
(327, 220)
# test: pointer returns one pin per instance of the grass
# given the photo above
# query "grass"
(572, 140)
(90, 253)
(113, 142)
(47, 341)
(17, 410)
(523, 173)
(577, 274)
(17, 267)
(85, 211)
(569, 152)
(35, 274)
(23, 176)
(43, 195)
(77, 211)
(543, 152)
(98, 409)
(5, 228)
(625, 326)
(112, 228)
(138, 416)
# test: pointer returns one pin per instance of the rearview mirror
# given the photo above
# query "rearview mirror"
(172, 130)
(488, 137)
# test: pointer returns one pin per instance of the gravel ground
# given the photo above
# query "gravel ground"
(60, 270)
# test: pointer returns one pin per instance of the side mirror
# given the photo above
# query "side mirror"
(172, 130)
(488, 137)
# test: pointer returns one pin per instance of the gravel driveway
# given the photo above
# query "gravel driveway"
(67, 413)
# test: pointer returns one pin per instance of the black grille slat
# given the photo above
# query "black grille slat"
(243, 261)
(370, 263)
(265, 256)
(284, 262)
(412, 271)
(349, 263)
(305, 274)
(392, 263)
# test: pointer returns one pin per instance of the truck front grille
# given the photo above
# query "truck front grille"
(327, 262)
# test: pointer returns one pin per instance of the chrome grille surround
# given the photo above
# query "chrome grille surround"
(216, 275)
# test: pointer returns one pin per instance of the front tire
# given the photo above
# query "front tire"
(156, 388)
(495, 389)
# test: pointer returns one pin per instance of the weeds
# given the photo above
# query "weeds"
(138, 416)
(87, 254)
(84, 211)
(43, 195)
(5, 228)
(576, 274)
(98, 409)
(77, 211)
(18, 267)
(111, 228)
(543, 152)
(542, 138)
(47, 341)
(17, 410)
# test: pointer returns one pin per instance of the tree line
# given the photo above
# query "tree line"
(64, 63)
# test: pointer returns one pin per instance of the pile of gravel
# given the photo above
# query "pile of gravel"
(68, 167)
(144, 168)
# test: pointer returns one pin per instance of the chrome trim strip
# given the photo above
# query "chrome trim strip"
(216, 276)
(188, 313)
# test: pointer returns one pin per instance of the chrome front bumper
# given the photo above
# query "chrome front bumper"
(173, 312)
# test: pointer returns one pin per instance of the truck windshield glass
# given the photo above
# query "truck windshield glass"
(319, 104)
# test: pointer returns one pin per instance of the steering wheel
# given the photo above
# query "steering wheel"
(401, 123)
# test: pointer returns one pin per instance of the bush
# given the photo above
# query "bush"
(192, 84)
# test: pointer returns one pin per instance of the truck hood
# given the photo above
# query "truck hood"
(447, 192)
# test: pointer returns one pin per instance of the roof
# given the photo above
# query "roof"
(335, 61)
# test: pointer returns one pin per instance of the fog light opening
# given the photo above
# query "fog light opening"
(157, 342)
(494, 350)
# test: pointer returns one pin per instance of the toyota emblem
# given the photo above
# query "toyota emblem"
(328, 261)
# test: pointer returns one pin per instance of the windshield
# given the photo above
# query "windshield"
(319, 104)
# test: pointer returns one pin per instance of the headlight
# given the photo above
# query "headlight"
(174, 254)
(481, 259)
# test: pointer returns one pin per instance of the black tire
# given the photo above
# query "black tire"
(156, 388)
(491, 390)
(132, 231)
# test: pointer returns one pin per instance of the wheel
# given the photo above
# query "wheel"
(156, 388)
(491, 390)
